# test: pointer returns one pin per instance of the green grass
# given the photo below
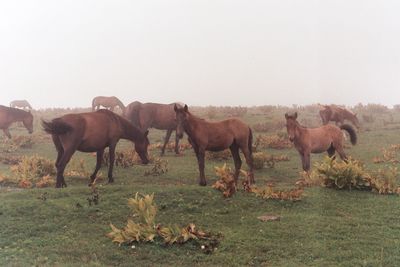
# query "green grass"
(326, 228)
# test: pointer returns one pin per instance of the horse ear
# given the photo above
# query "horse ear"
(175, 108)
(295, 115)
(186, 108)
(286, 116)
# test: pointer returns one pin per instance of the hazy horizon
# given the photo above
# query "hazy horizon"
(64, 53)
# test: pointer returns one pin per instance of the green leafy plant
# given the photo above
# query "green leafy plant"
(142, 226)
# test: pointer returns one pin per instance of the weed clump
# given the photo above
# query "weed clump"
(142, 227)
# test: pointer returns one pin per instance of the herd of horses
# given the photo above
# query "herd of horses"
(94, 131)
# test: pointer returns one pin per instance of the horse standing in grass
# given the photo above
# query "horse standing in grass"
(109, 102)
(216, 136)
(10, 115)
(92, 132)
(20, 104)
(317, 140)
(338, 115)
(154, 115)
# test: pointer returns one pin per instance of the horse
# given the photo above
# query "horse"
(10, 115)
(216, 136)
(338, 115)
(20, 104)
(108, 102)
(154, 115)
(92, 132)
(317, 140)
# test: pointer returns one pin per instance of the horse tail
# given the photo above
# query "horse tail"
(250, 143)
(351, 131)
(94, 103)
(56, 126)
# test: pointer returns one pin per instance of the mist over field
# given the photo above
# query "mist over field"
(63, 53)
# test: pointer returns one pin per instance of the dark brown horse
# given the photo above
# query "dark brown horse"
(154, 115)
(317, 140)
(20, 104)
(10, 115)
(92, 132)
(338, 115)
(109, 102)
(216, 136)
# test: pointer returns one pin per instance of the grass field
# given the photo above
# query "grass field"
(326, 228)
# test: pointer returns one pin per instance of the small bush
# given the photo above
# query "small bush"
(226, 183)
(218, 155)
(160, 167)
(272, 141)
(142, 227)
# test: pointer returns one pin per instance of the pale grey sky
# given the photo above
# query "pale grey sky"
(63, 53)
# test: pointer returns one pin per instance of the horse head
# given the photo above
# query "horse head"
(28, 122)
(182, 116)
(291, 125)
(141, 147)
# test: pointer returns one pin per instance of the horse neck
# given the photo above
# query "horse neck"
(18, 115)
(129, 131)
(299, 132)
(191, 124)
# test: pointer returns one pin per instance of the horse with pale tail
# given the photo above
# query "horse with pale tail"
(109, 102)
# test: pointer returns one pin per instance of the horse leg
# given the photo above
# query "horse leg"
(59, 148)
(111, 150)
(341, 153)
(166, 140)
(236, 159)
(99, 154)
(177, 144)
(306, 161)
(331, 151)
(200, 159)
(7, 133)
(249, 161)
(65, 158)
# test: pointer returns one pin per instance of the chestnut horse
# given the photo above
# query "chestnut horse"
(338, 115)
(92, 132)
(317, 140)
(108, 102)
(154, 115)
(10, 115)
(216, 136)
(20, 104)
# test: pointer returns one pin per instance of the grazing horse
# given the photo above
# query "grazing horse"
(92, 132)
(20, 104)
(216, 136)
(317, 140)
(154, 115)
(108, 102)
(338, 115)
(10, 115)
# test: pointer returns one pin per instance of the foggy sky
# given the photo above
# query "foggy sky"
(63, 53)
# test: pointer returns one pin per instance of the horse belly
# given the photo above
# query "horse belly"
(92, 145)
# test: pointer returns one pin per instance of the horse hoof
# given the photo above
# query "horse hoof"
(203, 183)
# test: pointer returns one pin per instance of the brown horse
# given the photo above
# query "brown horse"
(108, 102)
(317, 140)
(154, 115)
(10, 115)
(20, 104)
(92, 132)
(216, 136)
(338, 115)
